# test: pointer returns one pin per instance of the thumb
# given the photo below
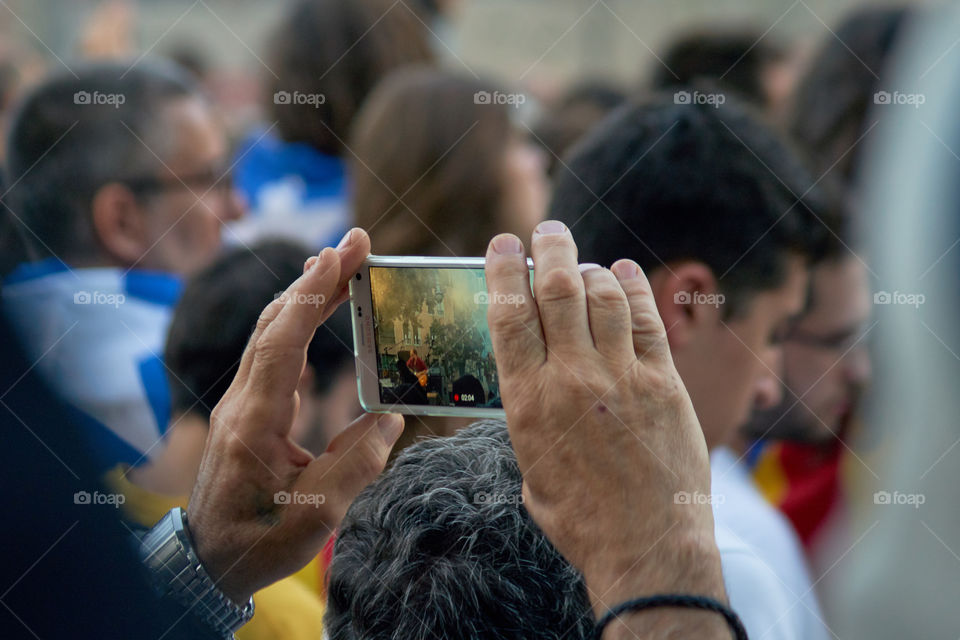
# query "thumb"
(352, 461)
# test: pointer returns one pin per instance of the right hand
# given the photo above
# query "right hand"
(605, 434)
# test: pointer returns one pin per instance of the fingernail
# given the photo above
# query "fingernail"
(506, 244)
(626, 269)
(551, 227)
(391, 426)
(587, 266)
(346, 240)
(309, 263)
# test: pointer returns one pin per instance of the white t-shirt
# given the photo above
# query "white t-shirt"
(764, 569)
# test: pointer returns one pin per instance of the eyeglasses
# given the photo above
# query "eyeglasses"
(199, 182)
(840, 342)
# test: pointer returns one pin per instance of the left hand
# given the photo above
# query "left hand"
(245, 532)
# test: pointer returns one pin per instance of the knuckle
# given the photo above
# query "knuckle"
(606, 292)
(644, 323)
(661, 386)
(639, 294)
(268, 357)
(267, 316)
(648, 334)
(507, 319)
(558, 284)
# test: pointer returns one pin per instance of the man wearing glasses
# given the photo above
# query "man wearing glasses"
(117, 190)
(826, 363)
(793, 450)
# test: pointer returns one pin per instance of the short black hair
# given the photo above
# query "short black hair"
(218, 312)
(76, 132)
(440, 546)
(731, 59)
(660, 182)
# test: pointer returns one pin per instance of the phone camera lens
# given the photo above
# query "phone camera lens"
(358, 276)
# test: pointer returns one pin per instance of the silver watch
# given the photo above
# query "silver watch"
(167, 550)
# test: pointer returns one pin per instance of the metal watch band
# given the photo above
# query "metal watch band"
(167, 550)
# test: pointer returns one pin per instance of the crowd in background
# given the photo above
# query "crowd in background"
(146, 226)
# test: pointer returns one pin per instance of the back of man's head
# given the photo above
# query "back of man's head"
(661, 182)
(440, 546)
(76, 132)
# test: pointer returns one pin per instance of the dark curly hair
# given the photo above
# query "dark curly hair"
(661, 182)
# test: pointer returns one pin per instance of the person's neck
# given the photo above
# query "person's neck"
(96, 261)
(174, 471)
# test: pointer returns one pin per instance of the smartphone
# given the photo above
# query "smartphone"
(421, 339)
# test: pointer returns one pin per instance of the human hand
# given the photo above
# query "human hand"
(263, 506)
(604, 431)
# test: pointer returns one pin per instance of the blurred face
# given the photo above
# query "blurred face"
(731, 366)
(190, 196)
(526, 188)
(826, 363)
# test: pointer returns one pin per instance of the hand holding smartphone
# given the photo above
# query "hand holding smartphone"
(421, 339)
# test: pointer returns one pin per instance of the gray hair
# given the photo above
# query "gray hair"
(77, 131)
(440, 546)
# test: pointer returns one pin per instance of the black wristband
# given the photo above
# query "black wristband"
(689, 602)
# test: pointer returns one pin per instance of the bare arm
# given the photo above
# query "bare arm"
(604, 431)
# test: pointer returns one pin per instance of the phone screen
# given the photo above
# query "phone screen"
(432, 341)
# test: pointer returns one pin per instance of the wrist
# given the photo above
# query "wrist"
(168, 551)
(678, 563)
(213, 554)
(668, 623)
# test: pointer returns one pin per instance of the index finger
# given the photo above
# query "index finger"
(512, 314)
(277, 355)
